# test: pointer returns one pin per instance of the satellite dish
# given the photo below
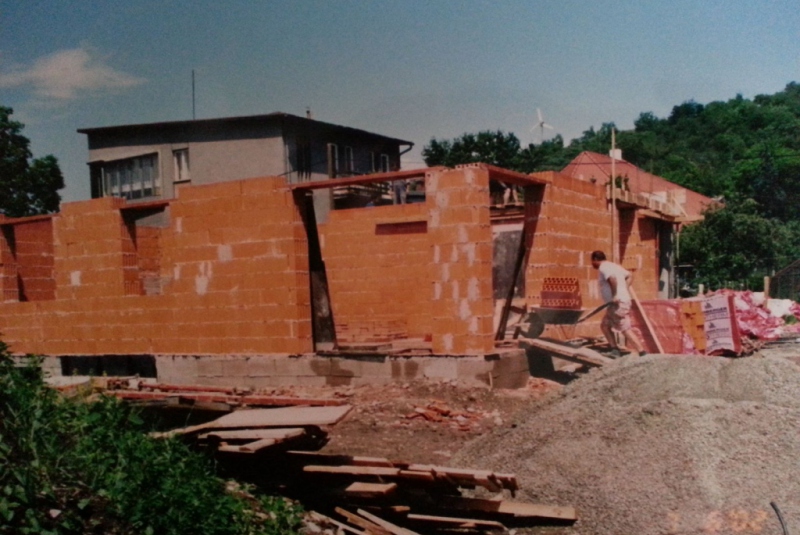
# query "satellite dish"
(541, 125)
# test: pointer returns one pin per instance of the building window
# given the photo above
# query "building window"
(333, 160)
(385, 163)
(303, 159)
(180, 160)
(132, 178)
(349, 161)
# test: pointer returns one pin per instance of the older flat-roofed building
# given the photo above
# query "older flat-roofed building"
(149, 161)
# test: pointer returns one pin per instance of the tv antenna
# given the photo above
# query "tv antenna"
(541, 125)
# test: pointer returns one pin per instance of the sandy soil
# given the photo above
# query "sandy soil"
(425, 421)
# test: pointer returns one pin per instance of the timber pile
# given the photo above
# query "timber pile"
(279, 448)
(380, 497)
(376, 496)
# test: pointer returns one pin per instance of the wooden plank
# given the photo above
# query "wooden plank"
(582, 355)
(371, 527)
(313, 456)
(484, 478)
(254, 434)
(258, 445)
(281, 417)
(379, 471)
(507, 507)
(650, 331)
(364, 179)
(417, 475)
(466, 523)
(370, 490)
(323, 518)
(385, 524)
(285, 401)
(253, 446)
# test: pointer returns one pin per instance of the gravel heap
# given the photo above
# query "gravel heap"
(661, 445)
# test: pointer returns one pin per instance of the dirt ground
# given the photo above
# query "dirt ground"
(424, 421)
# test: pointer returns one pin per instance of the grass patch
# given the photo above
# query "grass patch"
(68, 466)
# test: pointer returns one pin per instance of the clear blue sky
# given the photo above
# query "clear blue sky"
(410, 69)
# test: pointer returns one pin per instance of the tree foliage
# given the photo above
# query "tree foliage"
(69, 467)
(744, 151)
(28, 186)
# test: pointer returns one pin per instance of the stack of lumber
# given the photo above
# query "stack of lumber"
(381, 497)
(251, 431)
(370, 495)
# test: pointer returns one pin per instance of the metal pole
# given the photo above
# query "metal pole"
(193, 107)
(614, 247)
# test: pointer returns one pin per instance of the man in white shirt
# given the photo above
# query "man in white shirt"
(615, 282)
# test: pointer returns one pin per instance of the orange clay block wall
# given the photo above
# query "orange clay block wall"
(461, 237)
(34, 254)
(573, 221)
(378, 265)
(234, 279)
(238, 256)
(638, 239)
(148, 259)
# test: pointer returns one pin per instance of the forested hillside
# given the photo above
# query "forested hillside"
(744, 151)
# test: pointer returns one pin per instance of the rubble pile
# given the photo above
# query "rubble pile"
(763, 319)
(662, 444)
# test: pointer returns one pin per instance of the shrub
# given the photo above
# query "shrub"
(71, 466)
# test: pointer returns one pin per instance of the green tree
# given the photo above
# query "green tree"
(737, 245)
(27, 186)
(494, 148)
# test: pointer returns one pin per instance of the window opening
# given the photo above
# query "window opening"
(180, 159)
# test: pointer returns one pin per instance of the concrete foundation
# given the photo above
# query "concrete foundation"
(506, 369)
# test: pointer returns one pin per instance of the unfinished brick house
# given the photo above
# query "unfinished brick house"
(238, 283)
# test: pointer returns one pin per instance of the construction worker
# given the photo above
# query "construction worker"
(615, 283)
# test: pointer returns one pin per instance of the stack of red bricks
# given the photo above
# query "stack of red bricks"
(561, 292)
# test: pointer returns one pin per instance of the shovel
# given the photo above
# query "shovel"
(593, 312)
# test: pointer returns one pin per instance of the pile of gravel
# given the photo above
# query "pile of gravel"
(661, 445)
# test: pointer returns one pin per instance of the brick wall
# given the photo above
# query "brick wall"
(378, 261)
(572, 221)
(229, 273)
(233, 266)
(461, 236)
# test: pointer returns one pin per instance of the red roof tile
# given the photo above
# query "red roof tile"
(588, 165)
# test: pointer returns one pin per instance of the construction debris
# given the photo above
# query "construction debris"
(402, 495)
(373, 494)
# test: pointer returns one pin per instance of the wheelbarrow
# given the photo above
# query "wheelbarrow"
(534, 324)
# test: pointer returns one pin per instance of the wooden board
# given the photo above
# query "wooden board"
(507, 507)
(385, 524)
(484, 478)
(453, 522)
(650, 331)
(379, 471)
(319, 516)
(264, 443)
(281, 417)
(333, 459)
(253, 434)
(363, 523)
(581, 355)
(370, 490)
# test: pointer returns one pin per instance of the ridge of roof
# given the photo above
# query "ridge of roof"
(273, 116)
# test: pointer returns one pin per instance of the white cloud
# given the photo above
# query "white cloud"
(68, 74)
